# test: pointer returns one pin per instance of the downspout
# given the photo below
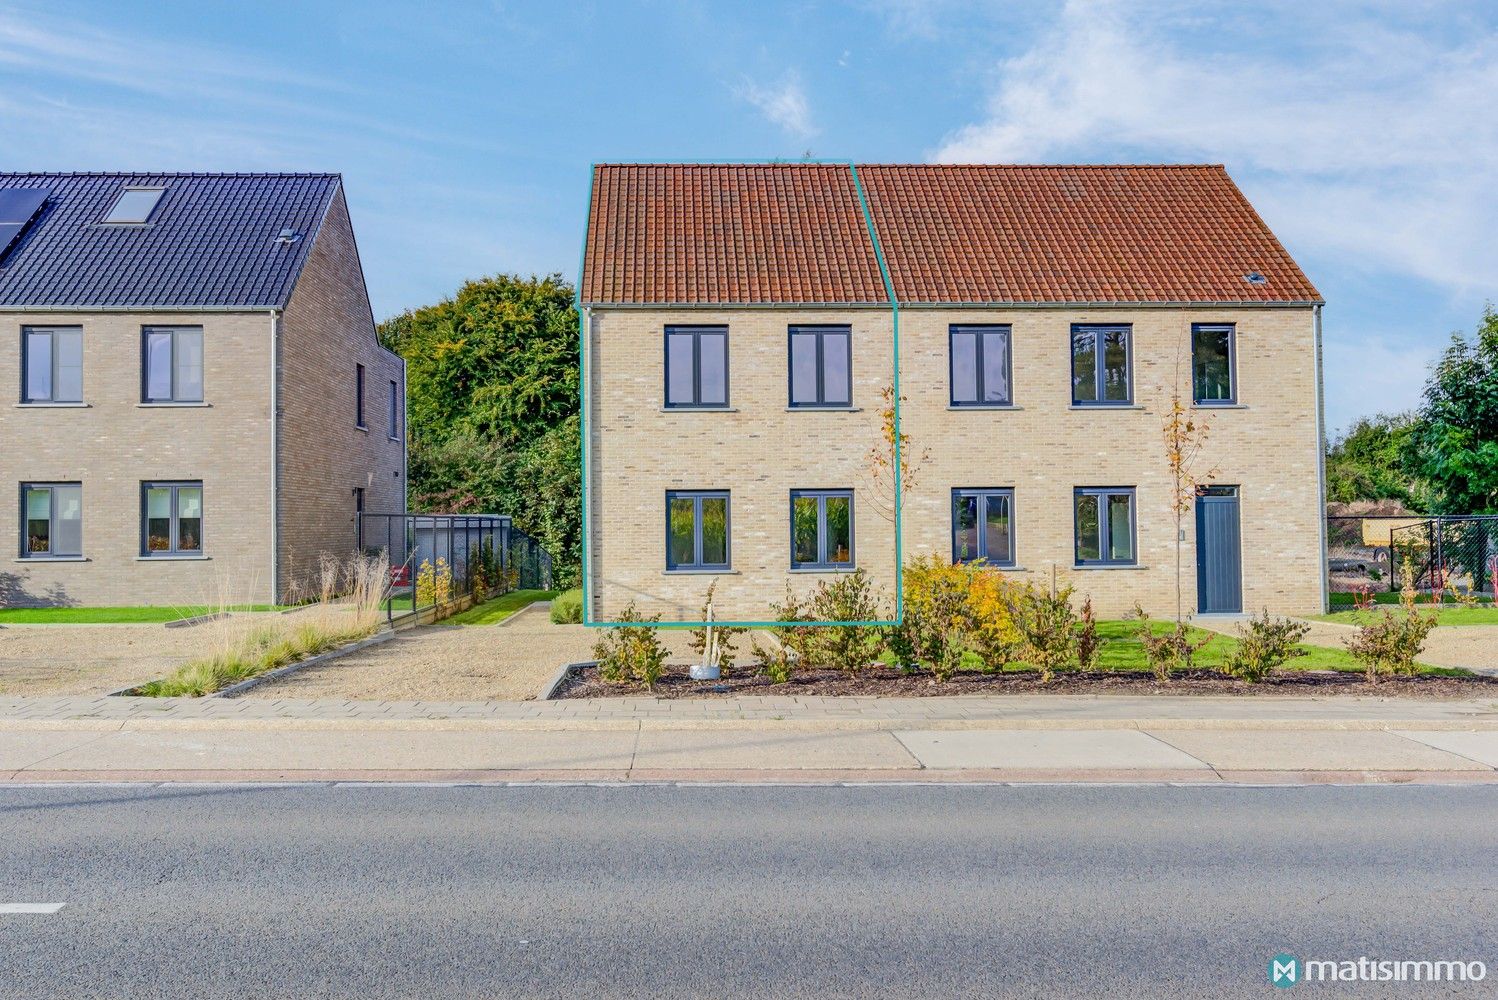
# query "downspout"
(584, 323)
(275, 456)
(1321, 462)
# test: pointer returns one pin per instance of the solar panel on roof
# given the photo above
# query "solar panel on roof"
(18, 206)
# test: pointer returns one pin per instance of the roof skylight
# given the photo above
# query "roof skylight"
(134, 206)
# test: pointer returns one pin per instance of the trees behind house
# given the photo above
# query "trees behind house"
(1367, 463)
(492, 384)
(1455, 443)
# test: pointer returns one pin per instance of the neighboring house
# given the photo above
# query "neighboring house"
(740, 330)
(200, 405)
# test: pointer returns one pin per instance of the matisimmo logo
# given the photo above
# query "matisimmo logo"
(1287, 970)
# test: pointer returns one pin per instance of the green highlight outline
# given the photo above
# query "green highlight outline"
(583, 359)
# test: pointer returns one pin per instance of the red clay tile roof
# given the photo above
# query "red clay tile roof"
(796, 234)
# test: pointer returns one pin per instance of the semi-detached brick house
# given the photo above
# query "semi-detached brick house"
(740, 331)
(201, 404)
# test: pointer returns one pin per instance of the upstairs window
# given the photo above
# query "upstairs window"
(821, 529)
(1105, 526)
(1100, 366)
(51, 520)
(358, 395)
(172, 519)
(983, 526)
(395, 410)
(697, 530)
(980, 365)
(821, 366)
(172, 364)
(134, 206)
(696, 367)
(52, 365)
(1213, 375)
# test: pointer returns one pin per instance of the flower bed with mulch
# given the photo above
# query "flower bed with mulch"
(884, 681)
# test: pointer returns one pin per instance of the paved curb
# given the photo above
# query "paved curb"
(549, 689)
(234, 690)
(196, 620)
(677, 776)
(167, 723)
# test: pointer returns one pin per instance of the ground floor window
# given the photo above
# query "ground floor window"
(983, 526)
(172, 519)
(1105, 525)
(51, 520)
(821, 529)
(697, 530)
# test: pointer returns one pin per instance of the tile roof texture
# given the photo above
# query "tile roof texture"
(980, 234)
(211, 242)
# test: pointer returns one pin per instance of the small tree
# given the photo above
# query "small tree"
(882, 460)
(723, 637)
(1185, 437)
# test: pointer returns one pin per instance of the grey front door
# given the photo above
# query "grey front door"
(1219, 559)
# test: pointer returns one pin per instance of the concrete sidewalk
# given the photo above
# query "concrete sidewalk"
(1043, 738)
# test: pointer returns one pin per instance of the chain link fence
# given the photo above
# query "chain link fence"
(1355, 561)
(1449, 555)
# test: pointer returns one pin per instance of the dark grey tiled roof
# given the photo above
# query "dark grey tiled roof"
(211, 241)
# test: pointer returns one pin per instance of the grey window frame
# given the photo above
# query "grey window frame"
(160, 192)
(697, 565)
(820, 330)
(980, 330)
(1098, 330)
(25, 542)
(395, 425)
(821, 497)
(145, 364)
(1232, 331)
(174, 532)
(696, 332)
(1104, 531)
(51, 331)
(983, 493)
(359, 397)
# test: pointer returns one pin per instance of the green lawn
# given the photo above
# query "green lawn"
(115, 616)
(1446, 614)
(1344, 600)
(1122, 651)
(497, 609)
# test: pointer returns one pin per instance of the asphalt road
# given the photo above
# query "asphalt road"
(721, 891)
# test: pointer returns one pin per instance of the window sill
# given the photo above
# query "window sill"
(824, 409)
(1219, 406)
(52, 559)
(699, 409)
(362, 427)
(173, 558)
(699, 572)
(822, 569)
(391, 437)
(1104, 566)
(172, 406)
(1094, 407)
(984, 406)
(51, 406)
(988, 565)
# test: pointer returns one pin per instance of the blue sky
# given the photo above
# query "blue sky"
(1366, 133)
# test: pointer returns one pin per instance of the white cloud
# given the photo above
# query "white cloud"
(1360, 137)
(783, 104)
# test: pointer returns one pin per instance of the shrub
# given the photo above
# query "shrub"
(1263, 645)
(851, 598)
(993, 632)
(937, 612)
(434, 584)
(1089, 644)
(567, 607)
(723, 635)
(792, 642)
(1390, 643)
(1167, 652)
(631, 652)
(1047, 622)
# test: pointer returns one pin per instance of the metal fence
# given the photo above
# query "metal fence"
(438, 559)
(1354, 561)
(1449, 554)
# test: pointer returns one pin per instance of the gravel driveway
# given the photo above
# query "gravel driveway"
(505, 662)
(1473, 647)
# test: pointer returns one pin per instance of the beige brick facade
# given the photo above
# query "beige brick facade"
(1043, 448)
(113, 443)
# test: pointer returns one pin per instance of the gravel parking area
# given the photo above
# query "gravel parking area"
(98, 659)
(1472, 647)
(505, 662)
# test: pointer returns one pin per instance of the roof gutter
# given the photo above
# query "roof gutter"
(139, 309)
(1297, 304)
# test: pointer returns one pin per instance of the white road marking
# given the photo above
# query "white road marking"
(31, 907)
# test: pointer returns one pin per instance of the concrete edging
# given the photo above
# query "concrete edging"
(234, 690)
(549, 689)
